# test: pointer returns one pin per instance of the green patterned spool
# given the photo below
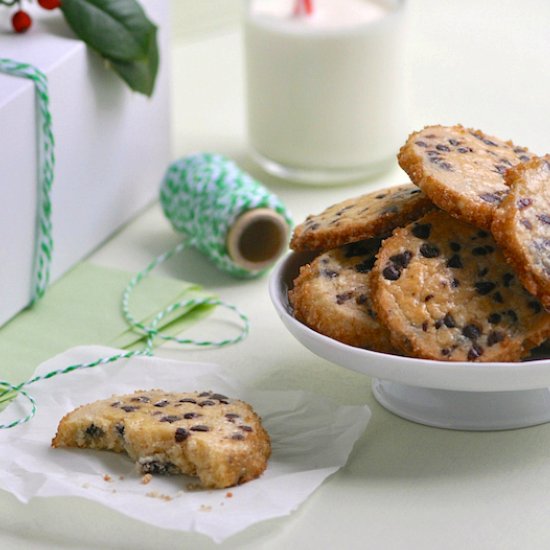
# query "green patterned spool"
(204, 194)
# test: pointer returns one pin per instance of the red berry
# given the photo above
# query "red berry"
(49, 4)
(21, 21)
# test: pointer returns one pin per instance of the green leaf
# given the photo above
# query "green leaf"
(117, 29)
(140, 75)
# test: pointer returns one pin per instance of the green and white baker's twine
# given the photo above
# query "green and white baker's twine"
(46, 163)
(202, 196)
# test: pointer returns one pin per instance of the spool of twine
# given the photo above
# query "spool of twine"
(225, 213)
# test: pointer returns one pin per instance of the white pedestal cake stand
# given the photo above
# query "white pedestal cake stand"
(461, 396)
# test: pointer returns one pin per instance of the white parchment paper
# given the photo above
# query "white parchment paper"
(311, 438)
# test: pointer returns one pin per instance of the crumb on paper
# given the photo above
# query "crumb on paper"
(155, 494)
(121, 478)
(107, 478)
(146, 479)
(229, 494)
(193, 487)
(205, 508)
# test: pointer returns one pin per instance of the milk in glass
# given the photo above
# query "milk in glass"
(324, 91)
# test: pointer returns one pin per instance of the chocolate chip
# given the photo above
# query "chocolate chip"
(391, 273)
(500, 169)
(330, 273)
(246, 428)
(207, 403)
(524, 158)
(381, 196)
(361, 299)
(497, 297)
(490, 197)
(429, 250)
(119, 428)
(454, 142)
(343, 297)
(455, 261)
(428, 297)
(535, 306)
(483, 250)
(526, 223)
(366, 265)
(446, 166)
(441, 147)
(544, 218)
(156, 467)
(445, 352)
(455, 247)
(422, 230)
(475, 352)
(115, 404)
(200, 428)
(403, 259)
(484, 287)
(140, 399)
(438, 324)
(523, 203)
(170, 418)
(425, 326)
(512, 314)
(494, 337)
(455, 283)
(465, 150)
(237, 437)
(231, 416)
(189, 416)
(471, 331)
(507, 279)
(161, 403)
(129, 408)
(449, 321)
(94, 431)
(494, 318)
(482, 234)
(205, 394)
(219, 397)
(482, 272)
(489, 142)
(421, 143)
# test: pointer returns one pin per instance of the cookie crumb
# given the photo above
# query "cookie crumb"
(161, 496)
(146, 479)
(205, 508)
(107, 478)
(229, 494)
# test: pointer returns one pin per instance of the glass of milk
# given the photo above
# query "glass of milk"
(325, 95)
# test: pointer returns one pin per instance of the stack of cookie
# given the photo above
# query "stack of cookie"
(455, 266)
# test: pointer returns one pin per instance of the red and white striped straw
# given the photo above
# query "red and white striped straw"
(303, 7)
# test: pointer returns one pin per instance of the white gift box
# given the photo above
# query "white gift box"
(112, 147)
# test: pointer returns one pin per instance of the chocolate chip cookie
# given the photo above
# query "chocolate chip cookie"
(461, 170)
(445, 291)
(218, 439)
(370, 215)
(332, 296)
(521, 225)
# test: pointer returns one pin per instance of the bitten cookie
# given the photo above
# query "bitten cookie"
(445, 291)
(332, 296)
(522, 225)
(370, 215)
(461, 170)
(218, 439)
